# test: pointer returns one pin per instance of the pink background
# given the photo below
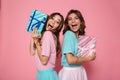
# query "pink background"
(102, 19)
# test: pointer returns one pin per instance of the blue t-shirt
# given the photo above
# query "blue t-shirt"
(69, 45)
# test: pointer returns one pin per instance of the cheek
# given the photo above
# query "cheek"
(56, 25)
(79, 27)
(79, 21)
(70, 27)
(69, 22)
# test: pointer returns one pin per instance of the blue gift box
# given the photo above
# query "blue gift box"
(37, 19)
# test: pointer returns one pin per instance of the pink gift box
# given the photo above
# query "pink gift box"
(86, 45)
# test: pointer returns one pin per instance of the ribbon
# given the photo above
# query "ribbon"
(37, 24)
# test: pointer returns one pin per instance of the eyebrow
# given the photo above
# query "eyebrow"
(58, 19)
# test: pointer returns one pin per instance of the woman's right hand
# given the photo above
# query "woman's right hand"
(35, 35)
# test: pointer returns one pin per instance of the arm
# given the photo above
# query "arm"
(43, 59)
(32, 47)
(35, 37)
(71, 59)
(68, 49)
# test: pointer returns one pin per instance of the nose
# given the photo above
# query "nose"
(53, 21)
(73, 20)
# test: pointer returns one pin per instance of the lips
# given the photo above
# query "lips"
(50, 25)
(74, 25)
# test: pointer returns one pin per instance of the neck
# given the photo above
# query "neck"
(77, 34)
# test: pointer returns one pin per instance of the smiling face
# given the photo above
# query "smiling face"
(53, 23)
(74, 22)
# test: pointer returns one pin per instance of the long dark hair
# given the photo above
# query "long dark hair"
(83, 26)
(57, 31)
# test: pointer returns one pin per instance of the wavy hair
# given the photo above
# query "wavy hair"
(82, 26)
(57, 31)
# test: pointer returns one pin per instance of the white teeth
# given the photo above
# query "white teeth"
(50, 25)
(74, 25)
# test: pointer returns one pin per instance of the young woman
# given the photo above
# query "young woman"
(72, 65)
(47, 45)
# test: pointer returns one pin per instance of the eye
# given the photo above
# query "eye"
(76, 18)
(57, 22)
(69, 19)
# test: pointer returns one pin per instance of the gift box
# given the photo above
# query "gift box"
(37, 20)
(86, 45)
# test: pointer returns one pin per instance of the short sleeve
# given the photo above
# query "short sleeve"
(68, 43)
(46, 43)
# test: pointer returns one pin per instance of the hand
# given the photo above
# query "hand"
(91, 57)
(35, 35)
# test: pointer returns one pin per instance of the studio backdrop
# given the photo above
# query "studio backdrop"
(102, 21)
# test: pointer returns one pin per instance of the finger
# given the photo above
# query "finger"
(35, 30)
(32, 30)
(32, 33)
(39, 36)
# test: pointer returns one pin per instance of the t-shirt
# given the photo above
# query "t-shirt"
(48, 49)
(69, 45)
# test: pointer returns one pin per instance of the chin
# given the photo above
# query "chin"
(74, 30)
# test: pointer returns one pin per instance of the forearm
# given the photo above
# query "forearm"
(86, 58)
(71, 59)
(81, 60)
(32, 47)
(39, 51)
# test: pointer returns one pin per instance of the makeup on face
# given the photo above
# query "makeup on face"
(74, 22)
(53, 23)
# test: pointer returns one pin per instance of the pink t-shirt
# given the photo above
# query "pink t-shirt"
(48, 49)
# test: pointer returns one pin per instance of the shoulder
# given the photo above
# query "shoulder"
(69, 33)
(48, 33)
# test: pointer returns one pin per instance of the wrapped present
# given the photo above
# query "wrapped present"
(37, 20)
(86, 45)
